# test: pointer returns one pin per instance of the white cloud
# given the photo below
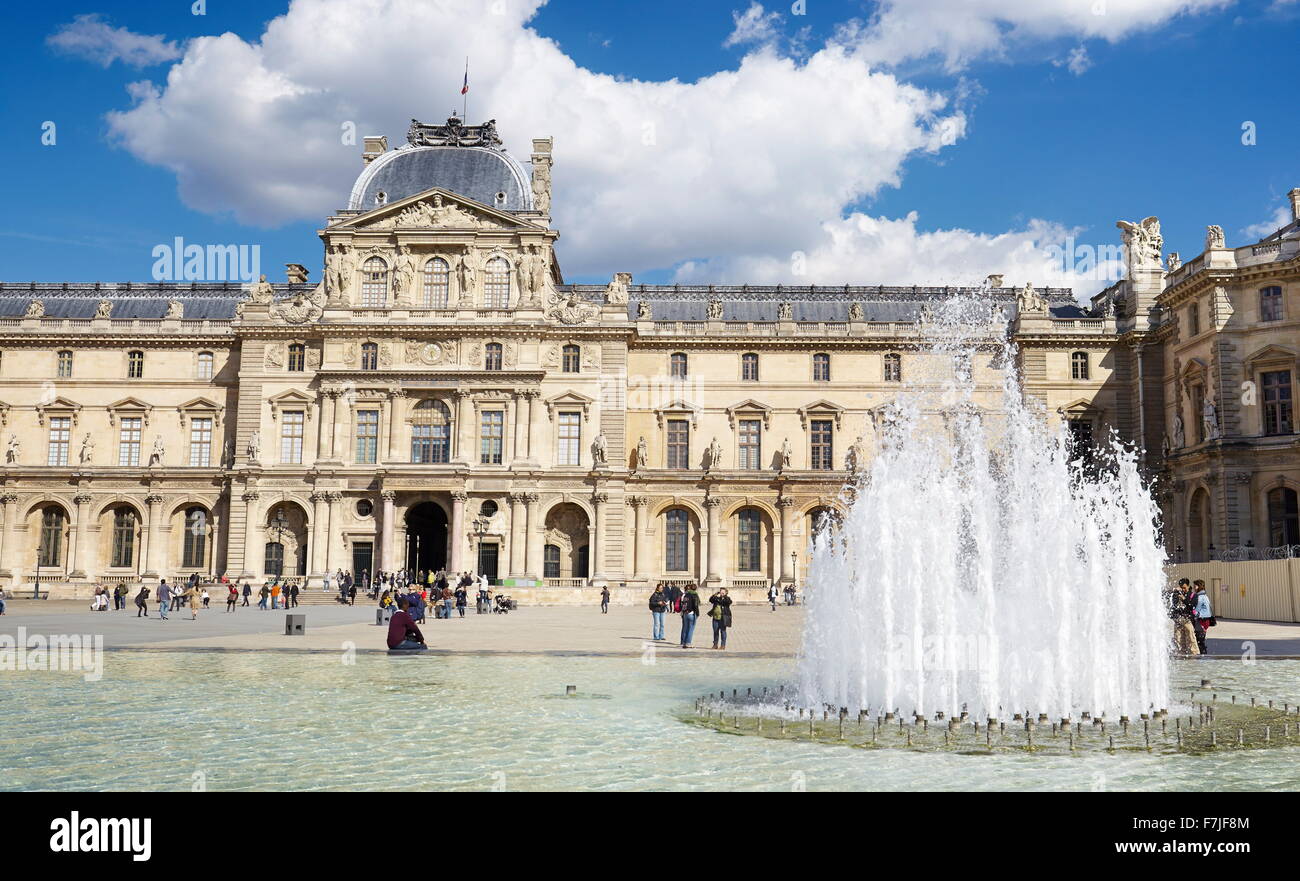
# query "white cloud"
(962, 31)
(1281, 217)
(93, 38)
(754, 25)
(1077, 61)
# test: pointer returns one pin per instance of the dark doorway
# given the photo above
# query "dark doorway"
(487, 561)
(363, 558)
(426, 538)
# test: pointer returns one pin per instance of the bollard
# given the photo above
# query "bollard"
(1072, 741)
(841, 727)
(1214, 738)
(1112, 743)
(783, 726)
(760, 724)
(570, 689)
(811, 732)
(1241, 737)
(1180, 738)
(1268, 733)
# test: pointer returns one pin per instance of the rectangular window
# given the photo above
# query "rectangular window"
(679, 444)
(430, 444)
(134, 365)
(822, 451)
(491, 436)
(128, 443)
(60, 434)
(205, 365)
(65, 365)
(1277, 402)
(821, 368)
(200, 443)
(367, 437)
(751, 444)
(1198, 401)
(1193, 319)
(1270, 304)
(291, 426)
(570, 439)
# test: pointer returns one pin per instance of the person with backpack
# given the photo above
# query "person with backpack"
(772, 594)
(1204, 615)
(1180, 613)
(689, 606)
(142, 602)
(265, 596)
(604, 600)
(658, 605)
(462, 600)
(720, 613)
(248, 592)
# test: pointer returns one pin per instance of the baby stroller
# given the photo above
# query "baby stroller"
(505, 605)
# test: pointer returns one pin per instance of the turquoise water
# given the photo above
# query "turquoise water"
(276, 721)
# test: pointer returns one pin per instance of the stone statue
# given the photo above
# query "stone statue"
(993, 281)
(227, 454)
(855, 458)
(1143, 243)
(616, 290)
(642, 453)
(404, 274)
(787, 455)
(104, 309)
(1166, 447)
(261, 293)
(1174, 261)
(599, 451)
(715, 310)
(534, 271)
(1213, 237)
(35, 309)
(159, 451)
(13, 450)
(175, 310)
(1210, 419)
(542, 186)
(254, 446)
(714, 455)
(340, 264)
(571, 309)
(855, 312)
(1179, 438)
(301, 308)
(784, 312)
(644, 312)
(87, 454)
(1028, 300)
(465, 275)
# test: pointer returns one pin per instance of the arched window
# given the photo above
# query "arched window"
(572, 359)
(677, 365)
(196, 539)
(437, 283)
(551, 561)
(749, 544)
(821, 367)
(492, 356)
(430, 433)
(1079, 365)
(676, 540)
(297, 357)
(893, 367)
(124, 522)
(369, 356)
(50, 552)
(496, 284)
(374, 283)
(749, 367)
(1283, 517)
(65, 364)
(205, 364)
(1270, 303)
(134, 365)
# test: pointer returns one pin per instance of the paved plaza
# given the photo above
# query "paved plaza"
(558, 630)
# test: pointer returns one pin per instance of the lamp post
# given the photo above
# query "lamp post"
(794, 571)
(280, 523)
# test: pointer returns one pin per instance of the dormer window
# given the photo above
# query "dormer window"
(135, 365)
(492, 356)
(370, 356)
(496, 286)
(374, 283)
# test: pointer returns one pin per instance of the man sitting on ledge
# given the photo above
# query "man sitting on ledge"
(403, 635)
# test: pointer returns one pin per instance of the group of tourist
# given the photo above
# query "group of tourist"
(438, 594)
(671, 598)
(1189, 609)
(173, 598)
(774, 593)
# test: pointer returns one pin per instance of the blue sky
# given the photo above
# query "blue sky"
(1148, 121)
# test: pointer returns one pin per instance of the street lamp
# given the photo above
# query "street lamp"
(280, 523)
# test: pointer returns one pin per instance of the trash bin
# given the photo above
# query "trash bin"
(384, 615)
(295, 625)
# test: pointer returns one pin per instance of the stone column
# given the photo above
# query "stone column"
(521, 428)
(318, 529)
(535, 536)
(712, 504)
(597, 553)
(336, 436)
(386, 542)
(254, 556)
(81, 547)
(640, 512)
(325, 443)
(153, 559)
(530, 396)
(332, 538)
(8, 553)
(395, 408)
(464, 416)
(518, 531)
(786, 544)
(457, 555)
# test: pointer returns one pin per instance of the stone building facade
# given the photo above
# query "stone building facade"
(443, 398)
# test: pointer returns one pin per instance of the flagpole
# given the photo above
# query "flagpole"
(464, 110)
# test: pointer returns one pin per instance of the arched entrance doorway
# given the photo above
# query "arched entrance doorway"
(426, 538)
(1199, 538)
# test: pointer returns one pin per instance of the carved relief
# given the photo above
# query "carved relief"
(1143, 243)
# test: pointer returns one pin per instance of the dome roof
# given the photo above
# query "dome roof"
(486, 175)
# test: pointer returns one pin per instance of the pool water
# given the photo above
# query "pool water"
(301, 721)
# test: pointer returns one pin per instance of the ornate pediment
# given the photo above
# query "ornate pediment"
(678, 408)
(569, 400)
(434, 209)
(291, 400)
(821, 408)
(750, 407)
(130, 407)
(201, 407)
(60, 406)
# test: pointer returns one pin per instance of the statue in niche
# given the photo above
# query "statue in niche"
(644, 312)
(87, 454)
(104, 309)
(35, 309)
(175, 310)
(1179, 437)
(159, 451)
(855, 458)
(599, 451)
(642, 453)
(13, 450)
(465, 275)
(713, 458)
(787, 455)
(1210, 419)
(254, 446)
(1143, 243)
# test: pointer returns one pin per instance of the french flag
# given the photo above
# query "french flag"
(464, 89)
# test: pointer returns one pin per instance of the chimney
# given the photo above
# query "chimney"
(296, 272)
(1294, 196)
(375, 146)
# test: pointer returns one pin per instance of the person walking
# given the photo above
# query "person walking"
(207, 598)
(772, 594)
(275, 594)
(447, 599)
(119, 598)
(689, 606)
(193, 595)
(462, 600)
(264, 597)
(1204, 615)
(164, 599)
(142, 602)
(293, 594)
(604, 600)
(2, 600)
(232, 597)
(720, 612)
(673, 594)
(658, 605)
(248, 592)
(352, 594)
(1181, 611)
